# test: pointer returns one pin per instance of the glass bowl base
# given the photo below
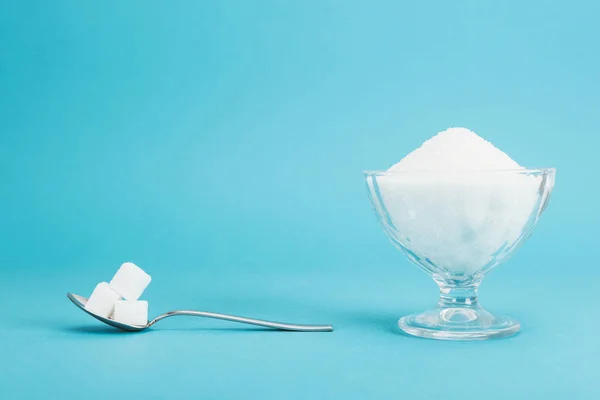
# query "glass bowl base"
(458, 323)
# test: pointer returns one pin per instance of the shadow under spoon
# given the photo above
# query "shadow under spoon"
(80, 302)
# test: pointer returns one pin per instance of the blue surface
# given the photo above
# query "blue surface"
(220, 146)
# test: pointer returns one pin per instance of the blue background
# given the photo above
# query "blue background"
(220, 144)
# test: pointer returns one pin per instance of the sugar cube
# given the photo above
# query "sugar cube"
(102, 301)
(131, 312)
(130, 281)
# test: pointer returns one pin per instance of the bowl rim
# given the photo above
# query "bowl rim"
(459, 172)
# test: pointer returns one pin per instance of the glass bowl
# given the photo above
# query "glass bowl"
(457, 226)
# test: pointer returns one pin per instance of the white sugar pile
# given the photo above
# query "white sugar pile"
(456, 204)
(456, 149)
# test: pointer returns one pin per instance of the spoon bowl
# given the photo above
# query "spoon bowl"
(81, 301)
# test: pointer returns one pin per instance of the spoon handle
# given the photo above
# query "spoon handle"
(269, 324)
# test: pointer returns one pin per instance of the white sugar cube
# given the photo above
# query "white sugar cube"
(102, 301)
(131, 312)
(130, 281)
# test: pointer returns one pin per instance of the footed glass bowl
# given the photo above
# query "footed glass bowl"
(457, 226)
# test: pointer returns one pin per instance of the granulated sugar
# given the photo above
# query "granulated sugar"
(457, 203)
(455, 149)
